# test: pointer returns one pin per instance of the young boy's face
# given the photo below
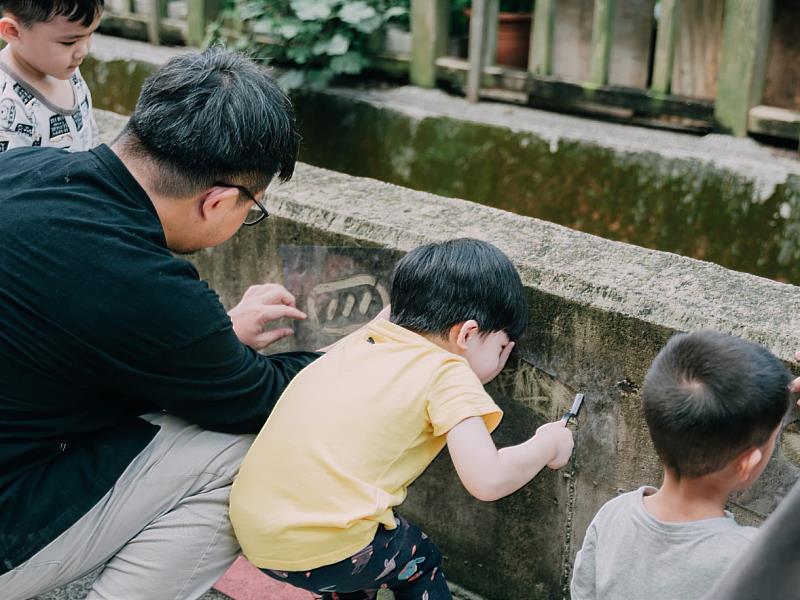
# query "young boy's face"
(483, 354)
(55, 48)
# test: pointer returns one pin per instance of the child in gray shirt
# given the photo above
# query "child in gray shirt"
(714, 405)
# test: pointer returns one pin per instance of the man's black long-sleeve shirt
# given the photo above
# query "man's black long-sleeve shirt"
(100, 323)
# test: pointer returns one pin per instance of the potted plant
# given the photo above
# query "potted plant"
(513, 30)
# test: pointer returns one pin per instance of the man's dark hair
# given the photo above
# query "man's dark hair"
(212, 116)
(436, 286)
(30, 12)
(708, 397)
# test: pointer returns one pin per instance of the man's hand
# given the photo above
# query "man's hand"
(260, 305)
(794, 386)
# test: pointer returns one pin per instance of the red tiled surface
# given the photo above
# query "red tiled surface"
(244, 582)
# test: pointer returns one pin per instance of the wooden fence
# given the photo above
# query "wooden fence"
(160, 21)
(733, 65)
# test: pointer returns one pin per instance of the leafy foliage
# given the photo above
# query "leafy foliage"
(316, 39)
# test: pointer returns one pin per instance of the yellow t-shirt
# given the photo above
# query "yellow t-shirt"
(349, 434)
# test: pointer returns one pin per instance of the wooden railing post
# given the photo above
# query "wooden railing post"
(740, 82)
(666, 37)
(199, 14)
(492, 21)
(477, 49)
(602, 39)
(158, 11)
(430, 25)
(540, 59)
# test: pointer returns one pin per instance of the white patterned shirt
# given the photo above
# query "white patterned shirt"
(27, 118)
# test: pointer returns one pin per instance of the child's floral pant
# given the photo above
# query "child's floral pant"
(403, 560)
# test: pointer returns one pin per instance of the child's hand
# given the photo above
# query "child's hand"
(560, 438)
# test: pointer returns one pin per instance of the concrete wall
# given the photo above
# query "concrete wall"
(717, 198)
(600, 310)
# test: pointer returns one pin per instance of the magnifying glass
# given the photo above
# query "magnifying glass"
(572, 413)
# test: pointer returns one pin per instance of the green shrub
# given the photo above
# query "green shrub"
(316, 39)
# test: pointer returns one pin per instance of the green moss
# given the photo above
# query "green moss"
(677, 205)
(115, 84)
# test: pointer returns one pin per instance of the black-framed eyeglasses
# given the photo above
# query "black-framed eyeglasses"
(247, 194)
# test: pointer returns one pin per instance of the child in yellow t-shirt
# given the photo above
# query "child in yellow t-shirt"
(313, 501)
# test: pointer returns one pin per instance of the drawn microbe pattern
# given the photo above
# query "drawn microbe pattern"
(331, 303)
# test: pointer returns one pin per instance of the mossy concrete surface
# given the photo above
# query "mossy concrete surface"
(600, 311)
(717, 198)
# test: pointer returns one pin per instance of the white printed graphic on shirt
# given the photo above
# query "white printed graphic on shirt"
(27, 120)
(7, 113)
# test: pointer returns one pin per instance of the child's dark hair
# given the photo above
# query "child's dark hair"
(708, 397)
(30, 12)
(436, 286)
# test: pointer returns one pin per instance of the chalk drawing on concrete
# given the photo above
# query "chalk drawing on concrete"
(339, 307)
(340, 288)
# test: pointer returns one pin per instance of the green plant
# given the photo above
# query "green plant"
(316, 39)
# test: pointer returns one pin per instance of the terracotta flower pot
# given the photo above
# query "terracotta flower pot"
(513, 38)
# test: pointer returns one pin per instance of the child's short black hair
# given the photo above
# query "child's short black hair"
(708, 397)
(436, 286)
(30, 12)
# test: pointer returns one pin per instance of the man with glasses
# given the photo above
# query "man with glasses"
(127, 393)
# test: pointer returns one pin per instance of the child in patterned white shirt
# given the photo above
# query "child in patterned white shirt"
(44, 101)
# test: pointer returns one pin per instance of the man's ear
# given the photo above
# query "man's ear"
(748, 462)
(461, 333)
(10, 28)
(216, 201)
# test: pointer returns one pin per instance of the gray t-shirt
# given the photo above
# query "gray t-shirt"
(628, 554)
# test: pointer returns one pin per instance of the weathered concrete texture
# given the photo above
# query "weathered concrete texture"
(600, 310)
(716, 198)
(726, 200)
(109, 124)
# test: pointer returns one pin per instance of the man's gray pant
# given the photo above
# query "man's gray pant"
(162, 532)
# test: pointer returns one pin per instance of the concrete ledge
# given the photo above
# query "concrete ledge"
(740, 156)
(656, 287)
(727, 200)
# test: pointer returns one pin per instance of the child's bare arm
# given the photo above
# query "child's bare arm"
(490, 474)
